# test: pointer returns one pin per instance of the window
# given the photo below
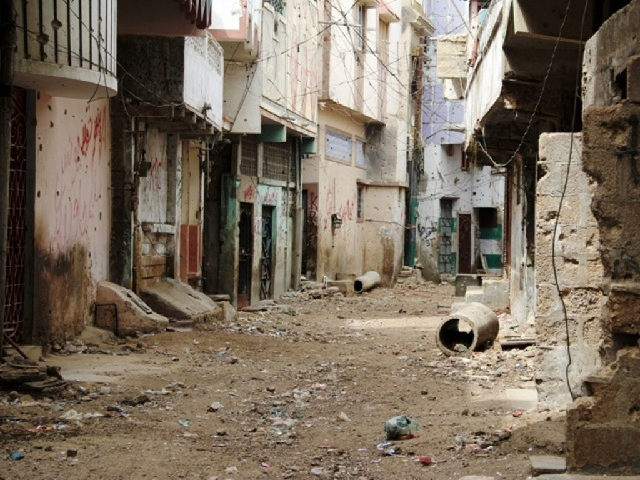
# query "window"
(360, 30)
(359, 206)
(278, 5)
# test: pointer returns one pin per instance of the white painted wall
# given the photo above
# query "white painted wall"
(203, 74)
(443, 178)
(72, 211)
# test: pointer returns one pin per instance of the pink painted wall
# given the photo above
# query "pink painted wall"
(72, 212)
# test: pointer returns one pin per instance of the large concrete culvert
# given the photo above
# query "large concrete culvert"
(471, 328)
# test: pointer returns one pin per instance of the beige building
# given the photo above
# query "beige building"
(355, 186)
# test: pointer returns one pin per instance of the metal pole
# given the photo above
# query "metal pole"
(7, 50)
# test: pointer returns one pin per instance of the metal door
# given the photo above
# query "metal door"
(266, 266)
(17, 225)
(464, 243)
(245, 241)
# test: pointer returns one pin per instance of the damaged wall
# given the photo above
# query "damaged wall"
(72, 212)
(350, 165)
(579, 271)
(602, 431)
(468, 189)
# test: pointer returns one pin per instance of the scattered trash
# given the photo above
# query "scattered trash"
(343, 417)
(133, 402)
(517, 414)
(400, 428)
(265, 465)
(425, 460)
(93, 415)
(214, 407)
(71, 415)
(184, 423)
(17, 456)
(317, 471)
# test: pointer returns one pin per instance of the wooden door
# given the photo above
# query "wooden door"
(464, 243)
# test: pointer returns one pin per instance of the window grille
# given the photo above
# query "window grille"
(249, 160)
(277, 156)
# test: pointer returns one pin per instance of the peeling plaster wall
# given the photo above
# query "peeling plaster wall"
(579, 271)
(72, 212)
(443, 179)
(261, 195)
(332, 179)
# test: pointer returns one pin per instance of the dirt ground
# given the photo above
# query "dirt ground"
(300, 391)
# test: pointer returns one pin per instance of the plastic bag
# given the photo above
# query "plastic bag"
(398, 427)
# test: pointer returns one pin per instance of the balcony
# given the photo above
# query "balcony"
(174, 81)
(67, 49)
(237, 26)
(163, 18)
(523, 72)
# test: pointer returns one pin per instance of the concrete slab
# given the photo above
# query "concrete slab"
(511, 398)
(474, 294)
(178, 301)
(345, 286)
(547, 464)
(121, 311)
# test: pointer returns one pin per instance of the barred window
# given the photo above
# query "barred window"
(249, 160)
(277, 157)
(278, 5)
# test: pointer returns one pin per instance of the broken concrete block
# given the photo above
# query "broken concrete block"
(345, 286)
(547, 464)
(229, 313)
(121, 311)
(179, 301)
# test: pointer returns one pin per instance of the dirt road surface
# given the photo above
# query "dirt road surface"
(299, 391)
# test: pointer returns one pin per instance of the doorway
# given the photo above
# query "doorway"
(266, 264)
(245, 241)
(464, 243)
(14, 310)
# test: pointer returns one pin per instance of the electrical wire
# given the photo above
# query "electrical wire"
(562, 197)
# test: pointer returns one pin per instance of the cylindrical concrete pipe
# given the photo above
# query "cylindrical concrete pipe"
(471, 328)
(366, 282)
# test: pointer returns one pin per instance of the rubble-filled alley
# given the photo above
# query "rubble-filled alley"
(300, 388)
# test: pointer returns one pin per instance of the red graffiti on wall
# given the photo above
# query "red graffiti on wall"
(80, 183)
(347, 210)
(270, 197)
(156, 182)
(312, 208)
(249, 193)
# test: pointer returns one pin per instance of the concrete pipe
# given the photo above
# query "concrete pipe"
(366, 282)
(471, 328)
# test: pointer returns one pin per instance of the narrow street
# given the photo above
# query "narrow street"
(299, 390)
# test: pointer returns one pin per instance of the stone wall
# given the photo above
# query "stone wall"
(578, 268)
(602, 429)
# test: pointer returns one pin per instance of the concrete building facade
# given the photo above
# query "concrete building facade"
(254, 211)
(460, 209)
(356, 187)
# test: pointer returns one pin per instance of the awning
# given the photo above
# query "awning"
(197, 11)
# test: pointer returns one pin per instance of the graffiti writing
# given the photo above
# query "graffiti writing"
(270, 197)
(155, 175)
(249, 193)
(312, 208)
(80, 183)
(347, 211)
(427, 233)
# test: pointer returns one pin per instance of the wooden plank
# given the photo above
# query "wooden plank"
(153, 271)
(153, 260)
